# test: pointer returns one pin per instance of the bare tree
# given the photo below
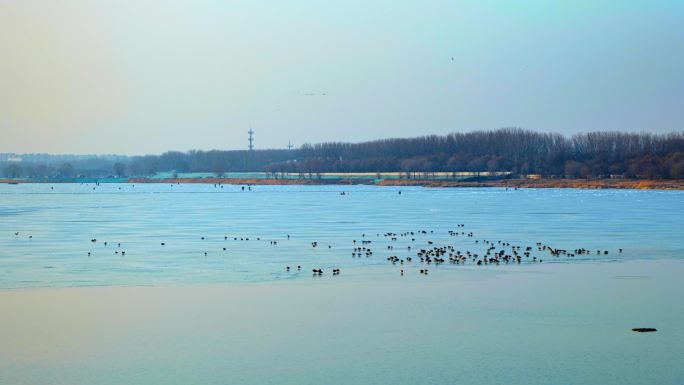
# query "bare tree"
(13, 170)
(119, 169)
(66, 170)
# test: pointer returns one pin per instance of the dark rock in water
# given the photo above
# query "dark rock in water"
(644, 330)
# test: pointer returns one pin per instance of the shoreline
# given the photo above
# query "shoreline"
(633, 184)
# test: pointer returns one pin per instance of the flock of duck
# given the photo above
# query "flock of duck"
(497, 252)
(420, 250)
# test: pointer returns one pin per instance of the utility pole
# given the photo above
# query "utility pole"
(289, 145)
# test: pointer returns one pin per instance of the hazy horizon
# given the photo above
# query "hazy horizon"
(125, 77)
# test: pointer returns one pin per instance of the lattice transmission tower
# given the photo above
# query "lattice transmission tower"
(251, 139)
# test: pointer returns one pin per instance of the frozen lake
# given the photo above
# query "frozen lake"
(57, 223)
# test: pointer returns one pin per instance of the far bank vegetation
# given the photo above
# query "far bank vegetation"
(513, 151)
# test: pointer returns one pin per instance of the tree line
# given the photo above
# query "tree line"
(594, 154)
(587, 155)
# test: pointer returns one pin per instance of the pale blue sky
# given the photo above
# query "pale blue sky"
(135, 76)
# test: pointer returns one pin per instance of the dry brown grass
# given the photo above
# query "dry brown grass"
(549, 183)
